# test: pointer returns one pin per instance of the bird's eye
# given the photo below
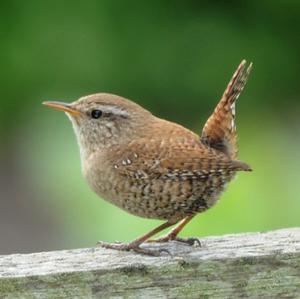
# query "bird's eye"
(96, 113)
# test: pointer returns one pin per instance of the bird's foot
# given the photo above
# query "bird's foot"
(132, 247)
(170, 237)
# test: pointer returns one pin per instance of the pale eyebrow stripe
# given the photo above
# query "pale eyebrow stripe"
(115, 110)
(108, 108)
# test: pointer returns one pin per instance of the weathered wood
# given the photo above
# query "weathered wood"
(252, 265)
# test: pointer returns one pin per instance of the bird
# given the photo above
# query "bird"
(154, 168)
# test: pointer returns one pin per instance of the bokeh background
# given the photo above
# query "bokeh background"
(173, 57)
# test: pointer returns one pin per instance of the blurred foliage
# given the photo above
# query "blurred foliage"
(173, 57)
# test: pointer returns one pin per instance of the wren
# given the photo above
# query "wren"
(154, 168)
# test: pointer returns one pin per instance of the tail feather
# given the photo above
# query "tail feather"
(219, 132)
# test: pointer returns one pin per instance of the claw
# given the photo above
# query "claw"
(189, 241)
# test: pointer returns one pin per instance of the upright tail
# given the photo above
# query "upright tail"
(219, 132)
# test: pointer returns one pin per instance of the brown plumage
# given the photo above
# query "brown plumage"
(151, 167)
(219, 132)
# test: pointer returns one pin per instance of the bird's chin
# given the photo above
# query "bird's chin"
(76, 124)
(74, 119)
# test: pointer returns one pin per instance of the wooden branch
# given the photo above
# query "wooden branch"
(252, 265)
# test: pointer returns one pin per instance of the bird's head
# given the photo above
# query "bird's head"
(104, 120)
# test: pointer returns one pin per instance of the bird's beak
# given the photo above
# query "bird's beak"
(62, 107)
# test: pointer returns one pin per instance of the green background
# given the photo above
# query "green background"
(172, 57)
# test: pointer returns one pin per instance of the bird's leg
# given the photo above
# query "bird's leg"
(172, 235)
(135, 244)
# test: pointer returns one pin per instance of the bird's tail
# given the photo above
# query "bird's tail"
(219, 132)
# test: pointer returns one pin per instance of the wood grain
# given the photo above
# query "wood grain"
(252, 265)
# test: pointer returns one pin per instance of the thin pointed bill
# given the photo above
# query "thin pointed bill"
(62, 107)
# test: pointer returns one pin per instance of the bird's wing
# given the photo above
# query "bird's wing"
(175, 159)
